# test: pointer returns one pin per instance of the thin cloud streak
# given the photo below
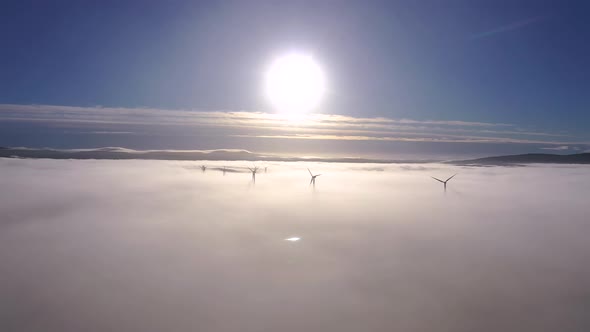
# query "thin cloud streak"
(508, 27)
(142, 115)
(557, 148)
(445, 139)
(268, 125)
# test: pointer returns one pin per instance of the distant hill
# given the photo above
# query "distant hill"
(123, 153)
(530, 158)
(234, 154)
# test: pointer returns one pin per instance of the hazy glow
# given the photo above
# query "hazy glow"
(295, 83)
(293, 239)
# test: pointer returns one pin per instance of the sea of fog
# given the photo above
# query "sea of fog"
(163, 246)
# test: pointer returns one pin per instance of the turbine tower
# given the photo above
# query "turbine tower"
(253, 170)
(312, 177)
(444, 182)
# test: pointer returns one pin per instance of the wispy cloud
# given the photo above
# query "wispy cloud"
(442, 139)
(557, 148)
(149, 115)
(102, 132)
(508, 27)
(126, 121)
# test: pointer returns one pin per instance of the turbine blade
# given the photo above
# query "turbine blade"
(318, 175)
(439, 180)
(309, 172)
(451, 177)
(310, 181)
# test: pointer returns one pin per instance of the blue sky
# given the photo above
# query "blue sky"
(522, 63)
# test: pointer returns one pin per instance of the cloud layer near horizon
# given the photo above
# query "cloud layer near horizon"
(129, 121)
(161, 245)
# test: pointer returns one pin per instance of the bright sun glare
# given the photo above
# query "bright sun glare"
(295, 84)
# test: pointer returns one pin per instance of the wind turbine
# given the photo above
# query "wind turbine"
(253, 170)
(203, 168)
(312, 177)
(444, 182)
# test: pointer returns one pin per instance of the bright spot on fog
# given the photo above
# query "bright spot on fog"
(163, 246)
(293, 239)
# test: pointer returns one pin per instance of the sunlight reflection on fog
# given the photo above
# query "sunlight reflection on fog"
(161, 245)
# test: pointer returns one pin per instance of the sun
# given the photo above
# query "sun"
(295, 83)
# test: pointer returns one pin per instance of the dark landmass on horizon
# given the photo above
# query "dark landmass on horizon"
(238, 155)
(529, 158)
(188, 155)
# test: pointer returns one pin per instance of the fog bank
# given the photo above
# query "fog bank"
(132, 245)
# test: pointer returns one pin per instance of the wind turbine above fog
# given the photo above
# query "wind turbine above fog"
(312, 177)
(444, 182)
(203, 168)
(253, 170)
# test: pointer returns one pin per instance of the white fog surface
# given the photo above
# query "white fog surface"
(162, 246)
